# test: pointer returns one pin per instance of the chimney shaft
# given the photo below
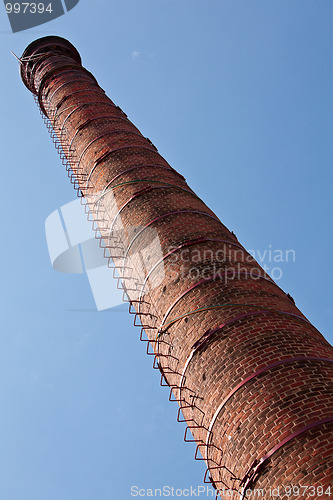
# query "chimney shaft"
(252, 376)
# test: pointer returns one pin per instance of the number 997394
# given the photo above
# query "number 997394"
(28, 8)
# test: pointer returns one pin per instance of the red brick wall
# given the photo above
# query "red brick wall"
(265, 373)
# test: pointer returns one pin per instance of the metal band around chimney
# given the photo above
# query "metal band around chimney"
(210, 333)
(244, 305)
(208, 280)
(105, 134)
(254, 471)
(140, 193)
(251, 377)
(147, 165)
(71, 82)
(88, 122)
(184, 245)
(85, 105)
(176, 212)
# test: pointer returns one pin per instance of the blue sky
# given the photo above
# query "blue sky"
(237, 96)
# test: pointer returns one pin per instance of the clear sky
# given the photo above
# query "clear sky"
(237, 96)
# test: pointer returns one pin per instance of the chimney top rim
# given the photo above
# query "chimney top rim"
(40, 47)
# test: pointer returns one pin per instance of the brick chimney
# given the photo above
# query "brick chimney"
(251, 375)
